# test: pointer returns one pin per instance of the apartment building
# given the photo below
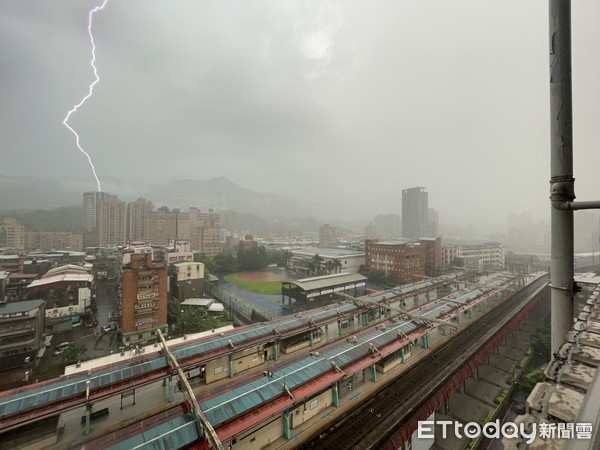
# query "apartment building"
(205, 231)
(21, 327)
(47, 241)
(327, 236)
(112, 230)
(162, 226)
(187, 280)
(144, 297)
(12, 234)
(138, 213)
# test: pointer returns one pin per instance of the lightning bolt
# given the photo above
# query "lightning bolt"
(91, 91)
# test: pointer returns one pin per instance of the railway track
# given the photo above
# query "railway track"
(370, 425)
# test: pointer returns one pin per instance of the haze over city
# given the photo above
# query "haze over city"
(340, 105)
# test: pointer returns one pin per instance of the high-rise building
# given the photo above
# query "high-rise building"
(137, 219)
(162, 226)
(183, 225)
(415, 220)
(327, 236)
(91, 209)
(112, 223)
(53, 240)
(144, 298)
(12, 234)
(433, 220)
(387, 225)
(205, 231)
(370, 231)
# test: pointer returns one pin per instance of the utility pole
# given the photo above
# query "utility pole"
(562, 183)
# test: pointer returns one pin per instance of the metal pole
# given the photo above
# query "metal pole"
(562, 183)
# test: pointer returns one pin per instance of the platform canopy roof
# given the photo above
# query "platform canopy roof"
(326, 281)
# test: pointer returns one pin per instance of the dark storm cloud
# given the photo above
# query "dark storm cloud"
(340, 103)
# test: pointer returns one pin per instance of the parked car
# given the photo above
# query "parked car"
(91, 324)
(106, 328)
(61, 348)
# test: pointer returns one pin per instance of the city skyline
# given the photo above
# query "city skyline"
(294, 99)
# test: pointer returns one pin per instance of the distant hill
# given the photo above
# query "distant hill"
(221, 194)
(35, 193)
(28, 193)
(66, 218)
(47, 204)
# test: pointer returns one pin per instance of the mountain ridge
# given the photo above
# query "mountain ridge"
(219, 193)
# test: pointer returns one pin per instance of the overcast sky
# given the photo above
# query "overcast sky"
(338, 103)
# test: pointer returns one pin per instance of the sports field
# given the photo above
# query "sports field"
(266, 283)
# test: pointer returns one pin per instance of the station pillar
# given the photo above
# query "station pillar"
(287, 429)
(425, 340)
(339, 327)
(336, 396)
(88, 411)
(276, 351)
(171, 388)
(231, 365)
(416, 299)
(373, 373)
(402, 356)
(312, 338)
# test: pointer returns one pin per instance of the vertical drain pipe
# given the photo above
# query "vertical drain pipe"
(562, 183)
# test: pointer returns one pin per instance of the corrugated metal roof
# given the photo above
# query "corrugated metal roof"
(64, 389)
(19, 307)
(238, 401)
(328, 281)
(234, 403)
(327, 252)
(59, 278)
(176, 433)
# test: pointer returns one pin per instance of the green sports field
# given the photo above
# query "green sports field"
(257, 282)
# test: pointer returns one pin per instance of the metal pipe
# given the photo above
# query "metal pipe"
(584, 205)
(562, 183)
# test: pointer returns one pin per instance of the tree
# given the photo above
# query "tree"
(225, 263)
(209, 264)
(376, 276)
(529, 379)
(316, 261)
(337, 265)
(72, 353)
(392, 280)
(458, 262)
(184, 319)
(328, 266)
(287, 255)
(252, 259)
